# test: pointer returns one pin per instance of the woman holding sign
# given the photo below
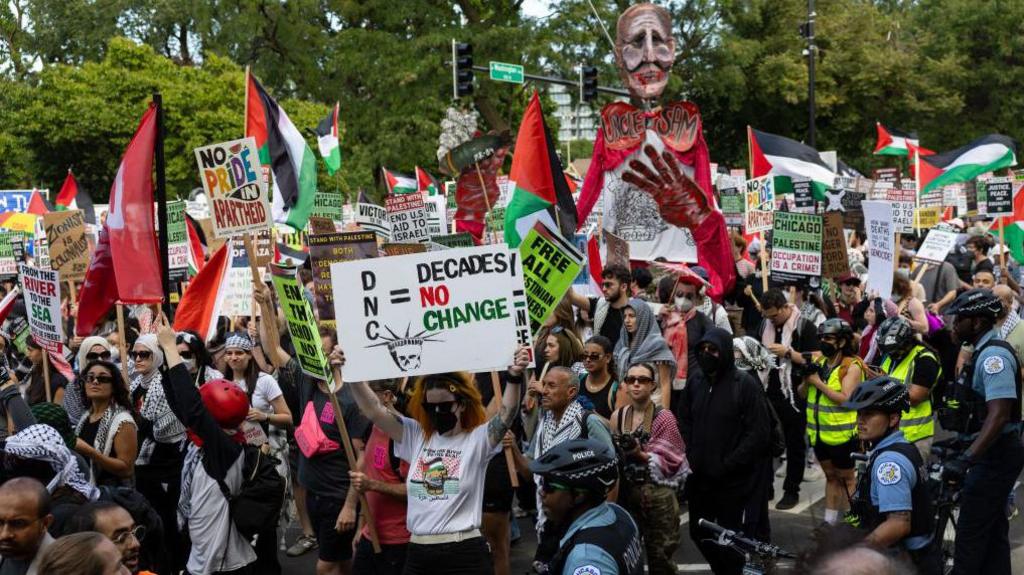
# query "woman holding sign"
(447, 442)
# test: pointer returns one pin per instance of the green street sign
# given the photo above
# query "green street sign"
(502, 72)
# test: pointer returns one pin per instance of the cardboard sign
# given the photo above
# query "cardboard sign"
(803, 200)
(999, 197)
(520, 306)
(549, 265)
(935, 247)
(759, 204)
(42, 305)
(881, 233)
(328, 205)
(408, 218)
(177, 241)
(796, 247)
(301, 322)
(238, 298)
(8, 263)
(835, 261)
(731, 203)
(459, 240)
(425, 313)
(327, 249)
(903, 202)
(321, 225)
(235, 187)
(927, 218)
(616, 250)
(67, 244)
(374, 218)
(403, 249)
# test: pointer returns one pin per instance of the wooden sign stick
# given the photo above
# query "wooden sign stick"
(509, 459)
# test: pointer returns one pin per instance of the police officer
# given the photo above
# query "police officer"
(918, 367)
(892, 500)
(984, 407)
(600, 537)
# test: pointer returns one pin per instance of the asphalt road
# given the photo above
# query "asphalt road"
(790, 530)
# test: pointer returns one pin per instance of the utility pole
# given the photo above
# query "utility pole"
(811, 53)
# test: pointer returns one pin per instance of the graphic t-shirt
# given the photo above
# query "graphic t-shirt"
(446, 478)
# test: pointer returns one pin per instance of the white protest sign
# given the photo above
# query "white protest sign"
(759, 204)
(408, 218)
(903, 201)
(878, 221)
(42, 304)
(425, 313)
(374, 218)
(235, 186)
(936, 246)
(238, 297)
(524, 335)
(437, 216)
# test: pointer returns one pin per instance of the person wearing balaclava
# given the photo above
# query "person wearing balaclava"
(726, 427)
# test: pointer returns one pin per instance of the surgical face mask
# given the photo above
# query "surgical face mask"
(684, 303)
(190, 364)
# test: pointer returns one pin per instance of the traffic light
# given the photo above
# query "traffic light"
(806, 30)
(463, 55)
(589, 83)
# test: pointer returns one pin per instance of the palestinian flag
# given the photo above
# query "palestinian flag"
(893, 142)
(37, 204)
(196, 256)
(986, 154)
(1013, 226)
(327, 141)
(398, 183)
(537, 179)
(7, 304)
(285, 255)
(779, 156)
(68, 196)
(426, 183)
(201, 304)
(282, 149)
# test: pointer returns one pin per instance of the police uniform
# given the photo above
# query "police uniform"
(982, 535)
(602, 541)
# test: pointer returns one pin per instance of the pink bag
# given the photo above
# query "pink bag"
(310, 437)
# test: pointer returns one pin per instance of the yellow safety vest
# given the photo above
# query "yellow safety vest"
(918, 423)
(835, 425)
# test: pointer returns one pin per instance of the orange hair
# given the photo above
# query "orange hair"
(462, 385)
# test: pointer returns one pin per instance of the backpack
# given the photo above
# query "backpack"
(259, 500)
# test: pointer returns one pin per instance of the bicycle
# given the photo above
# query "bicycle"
(946, 498)
(760, 557)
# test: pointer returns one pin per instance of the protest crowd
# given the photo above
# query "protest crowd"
(414, 384)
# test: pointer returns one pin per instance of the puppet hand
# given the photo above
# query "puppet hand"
(680, 200)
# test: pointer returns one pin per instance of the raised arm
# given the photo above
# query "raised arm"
(268, 326)
(500, 423)
(367, 400)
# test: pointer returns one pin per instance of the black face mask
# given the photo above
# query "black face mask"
(708, 363)
(441, 416)
(829, 349)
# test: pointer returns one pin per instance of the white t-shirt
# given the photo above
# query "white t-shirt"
(446, 478)
(267, 390)
(216, 543)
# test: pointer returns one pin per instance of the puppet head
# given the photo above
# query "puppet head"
(645, 49)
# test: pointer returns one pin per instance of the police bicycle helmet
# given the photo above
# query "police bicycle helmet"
(835, 327)
(976, 302)
(894, 335)
(579, 464)
(882, 394)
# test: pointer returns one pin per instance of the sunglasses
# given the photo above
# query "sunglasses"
(439, 407)
(104, 379)
(137, 355)
(592, 356)
(548, 486)
(185, 354)
(631, 379)
(104, 355)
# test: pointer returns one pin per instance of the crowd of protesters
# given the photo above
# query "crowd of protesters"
(166, 453)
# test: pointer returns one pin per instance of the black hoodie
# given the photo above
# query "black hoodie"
(724, 421)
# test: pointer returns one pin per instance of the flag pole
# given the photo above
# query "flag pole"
(161, 203)
(122, 345)
(513, 476)
(346, 442)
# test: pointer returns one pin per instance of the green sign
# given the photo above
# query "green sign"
(301, 323)
(176, 222)
(502, 72)
(496, 220)
(550, 264)
(459, 240)
(796, 247)
(328, 205)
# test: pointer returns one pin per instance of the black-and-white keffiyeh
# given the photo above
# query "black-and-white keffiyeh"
(1011, 321)
(43, 443)
(754, 357)
(554, 433)
(193, 458)
(155, 409)
(113, 418)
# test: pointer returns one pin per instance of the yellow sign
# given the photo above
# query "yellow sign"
(927, 218)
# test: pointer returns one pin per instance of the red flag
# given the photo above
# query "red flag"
(7, 304)
(99, 292)
(196, 256)
(68, 193)
(36, 204)
(201, 304)
(130, 220)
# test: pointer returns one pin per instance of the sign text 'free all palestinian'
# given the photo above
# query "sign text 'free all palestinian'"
(233, 179)
(425, 313)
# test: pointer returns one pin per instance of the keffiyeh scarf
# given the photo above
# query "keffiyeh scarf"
(155, 409)
(43, 443)
(113, 418)
(785, 365)
(754, 357)
(1011, 321)
(553, 433)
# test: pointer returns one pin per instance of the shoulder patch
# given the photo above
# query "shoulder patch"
(587, 570)
(994, 364)
(888, 473)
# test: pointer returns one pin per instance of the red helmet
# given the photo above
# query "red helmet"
(225, 401)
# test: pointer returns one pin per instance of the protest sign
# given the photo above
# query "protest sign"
(66, 242)
(328, 205)
(301, 322)
(436, 215)
(759, 204)
(425, 313)
(835, 261)
(17, 200)
(731, 202)
(803, 201)
(403, 249)
(881, 233)
(796, 247)
(239, 289)
(886, 175)
(549, 265)
(408, 218)
(935, 247)
(616, 250)
(235, 187)
(8, 264)
(321, 225)
(998, 197)
(373, 218)
(40, 248)
(327, 249)
(42, 306)
(177, 241)
(520, 307)
(582, 279)
(903, 202)
(927, 217)
(459, 240)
